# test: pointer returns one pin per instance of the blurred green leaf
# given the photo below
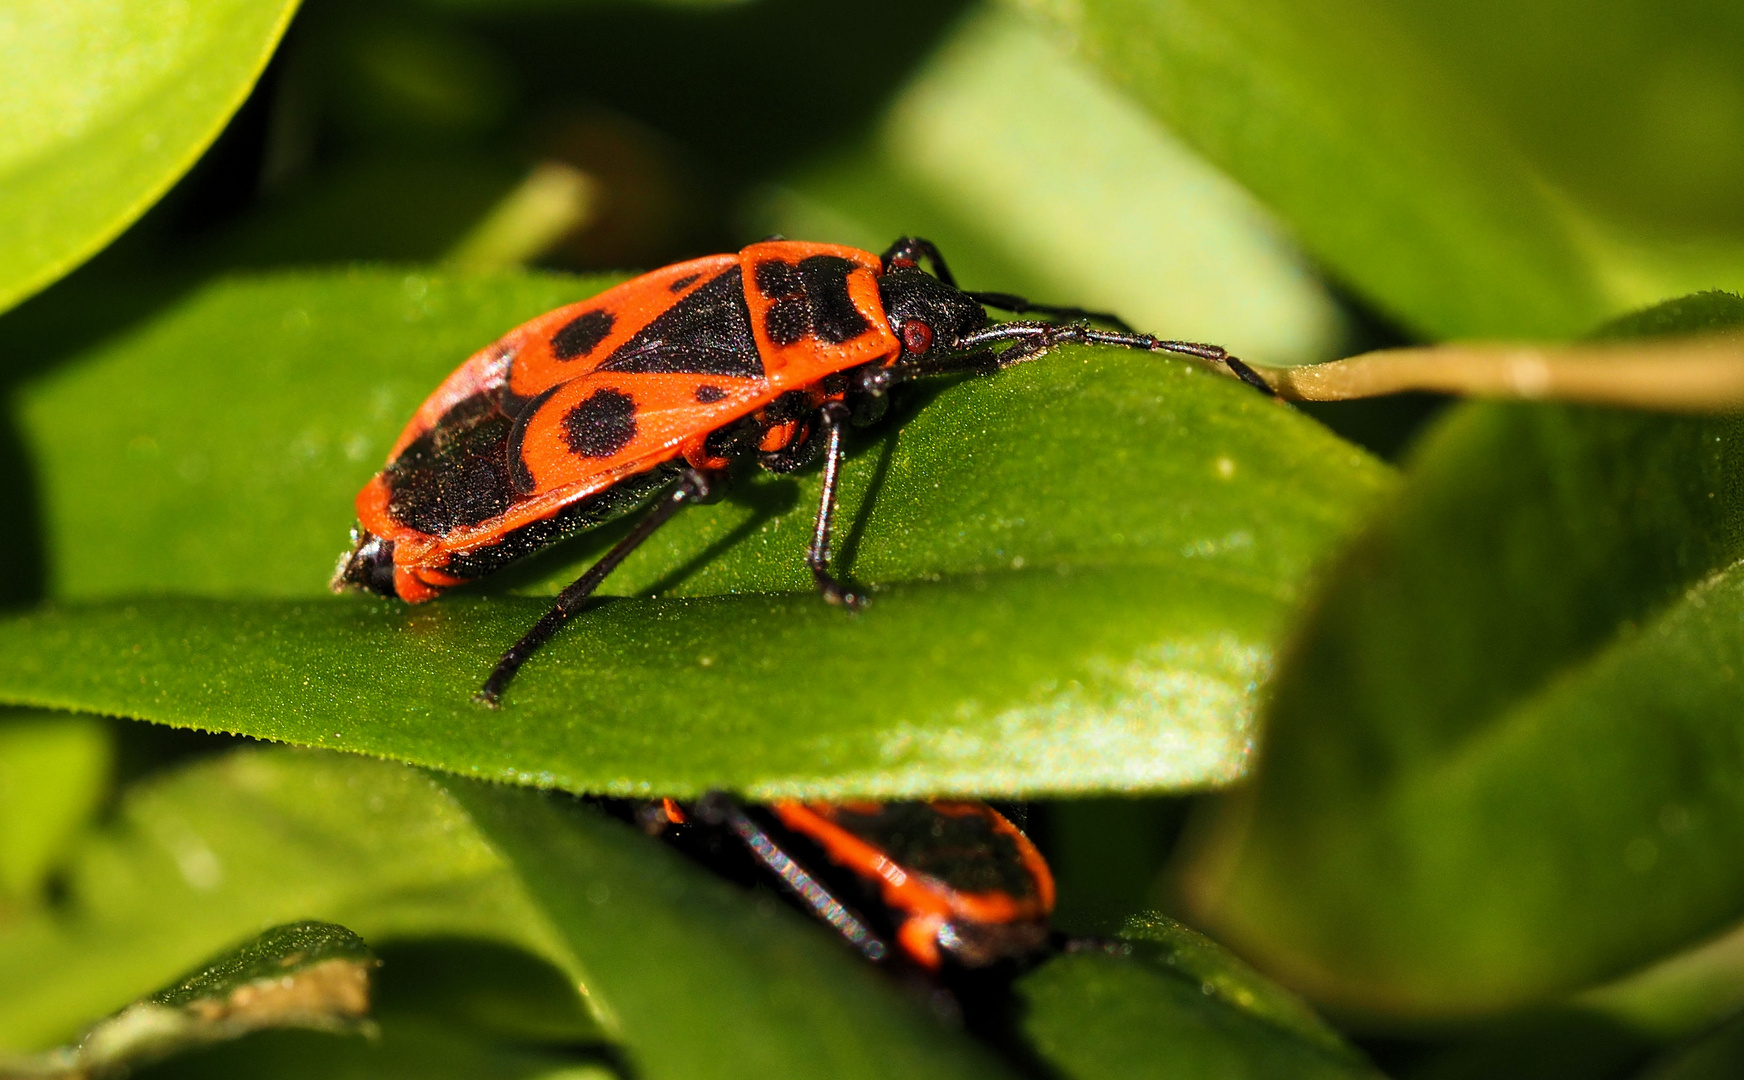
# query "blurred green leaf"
(1081, 566)
(1478, 169)
(1036, 178)
(1163, 1001)
(210, 854)
(393, 207)
(1502, 757)
(102, 107)
(705, 980)
(480, 989)
(299, 975)
(52, 772)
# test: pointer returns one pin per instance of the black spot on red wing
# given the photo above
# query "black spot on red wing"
(706, 333)
(582, 335)
(775, 278)
(788, 320)
(708, 395)
(455, 475)
(601, 425)
(834, 317)
(682, 283)
(965, 851)
(519, 474)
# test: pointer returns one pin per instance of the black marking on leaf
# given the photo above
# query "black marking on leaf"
(582, 334)
(706, 333)
(601, 425)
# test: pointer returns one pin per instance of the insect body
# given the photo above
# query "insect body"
(657, 386)
(941, 880)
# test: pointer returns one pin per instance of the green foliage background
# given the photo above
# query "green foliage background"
(1426, 712)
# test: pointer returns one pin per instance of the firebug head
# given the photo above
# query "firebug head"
(927, 313)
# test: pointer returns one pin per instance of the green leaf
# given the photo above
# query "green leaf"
(705, 980)
(1502, 758)
(52, 773)
(102, 107)
(1108, 210)
(1080, 566)
(1163, 1001)
(1475, 169)
(302, 975)
(207, 856)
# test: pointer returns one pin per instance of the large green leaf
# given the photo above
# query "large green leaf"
(1079, 568)
(1503, 758)
(1476, 169)
(102, 107)
(1162, 1001)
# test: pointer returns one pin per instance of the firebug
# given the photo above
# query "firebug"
(920, 883)
(655, 387)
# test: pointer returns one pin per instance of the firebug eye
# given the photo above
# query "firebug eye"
(917, 337)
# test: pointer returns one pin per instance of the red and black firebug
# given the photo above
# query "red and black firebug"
(916, 883)
(651, 390)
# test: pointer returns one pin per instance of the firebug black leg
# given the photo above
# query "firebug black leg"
(718, 808)
(694, 486)
(1032, 339)
(907, 252)
(833, 417)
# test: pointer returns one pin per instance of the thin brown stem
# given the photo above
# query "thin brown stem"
(1676, 374)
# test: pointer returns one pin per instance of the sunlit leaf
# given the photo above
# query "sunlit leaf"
(102, 107)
